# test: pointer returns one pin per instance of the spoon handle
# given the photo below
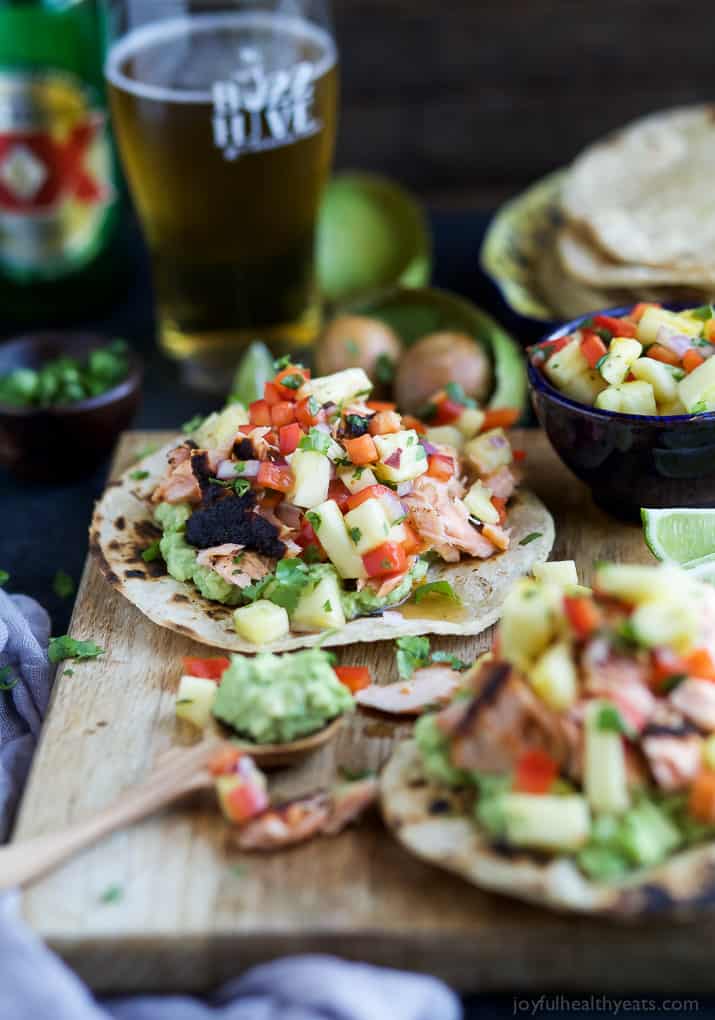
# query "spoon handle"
(179, 773)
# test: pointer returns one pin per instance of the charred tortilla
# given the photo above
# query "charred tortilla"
(434, 822)
(122, 529)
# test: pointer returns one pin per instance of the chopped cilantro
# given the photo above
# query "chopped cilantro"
(601, 361)
(442, 588)
(184, 701)
(193, 423)
(455, 392)
(68, 672)
(358, 473)
(412, 653)
(355, 535)
(285, 585)
(66, 647)
(241, 486)
(67, 380)
(313, 519)
(699, 408)
(4, 577)
(353, 775)
(610, 720)
(327, 607)
(7, 681)
(384, 368)
(293, 382)
(239, 466)
(112, 894)
(671, 682)
(451, 660)
(605, 334)
(146, 450)
(138, 476)
(703, 313)
(313, 406)
(531, 537)
(62, 585)
(152, 552)
(311, 554)
(386, 564)
(280, 363)
(316, 440)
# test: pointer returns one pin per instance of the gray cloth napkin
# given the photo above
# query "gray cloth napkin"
(35, 984)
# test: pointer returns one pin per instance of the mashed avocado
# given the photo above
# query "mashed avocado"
(180, 557)
(273, 699)
(362, 603)
(434, 748)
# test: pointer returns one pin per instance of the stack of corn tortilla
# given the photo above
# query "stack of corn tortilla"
(636, 217)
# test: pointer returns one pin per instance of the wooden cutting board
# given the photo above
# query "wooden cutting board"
(169, 905)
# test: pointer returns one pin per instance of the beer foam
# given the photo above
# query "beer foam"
(159, 33)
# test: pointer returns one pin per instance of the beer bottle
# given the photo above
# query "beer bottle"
(59, 185)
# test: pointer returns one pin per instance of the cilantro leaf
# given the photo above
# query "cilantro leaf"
(138, 476)
(66, 647)
(62, 585)
(355, 535)
(703, 313)
(280, 363)
(241, 486)
(112, 894)
(609, 720)
(353, 775)
(316, 440)
(152, 552)
(293, 382)
(285, 585)
(451, 660)
(412, 654)
(442, 588)
(193, 423)
(527, 539)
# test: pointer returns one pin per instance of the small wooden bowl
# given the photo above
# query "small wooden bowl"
(278, 755)
(69, 440)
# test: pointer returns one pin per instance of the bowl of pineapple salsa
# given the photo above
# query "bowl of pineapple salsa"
(627, 399)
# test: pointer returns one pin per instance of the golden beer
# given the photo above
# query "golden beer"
(226, 124)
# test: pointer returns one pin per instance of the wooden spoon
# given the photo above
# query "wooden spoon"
(175, 773)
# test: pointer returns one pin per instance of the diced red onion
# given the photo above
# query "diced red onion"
(403, 488)
(428, 447)
(322, 427)
(394, 459)
(227, 469)
(679, 343)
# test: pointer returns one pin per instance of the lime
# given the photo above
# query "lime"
(254, 370)
(681, 535)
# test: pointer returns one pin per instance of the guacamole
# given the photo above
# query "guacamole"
(365, 602)
(272, 699)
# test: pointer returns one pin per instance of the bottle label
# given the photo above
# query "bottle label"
(56, 175)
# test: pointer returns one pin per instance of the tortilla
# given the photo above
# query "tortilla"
(569, 297)
(645, 193)
(433, 822)
(122, 528)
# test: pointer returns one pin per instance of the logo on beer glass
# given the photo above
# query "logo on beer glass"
(255, 110)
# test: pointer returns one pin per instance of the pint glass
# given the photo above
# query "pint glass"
(225, 117)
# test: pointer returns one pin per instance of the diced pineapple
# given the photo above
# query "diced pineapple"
(554, 677)
(479, 503)
(637, 398)
(338, 388)
(397, 533)
(653, 318)
(609, 399)
(470, 421)
(605, 780)
(633, 583)
(529, 621)
(561, 572)
(321, 607)
(194, 700)
(697, 390)
(261, 622)
(357, 478)
(367, 525)
(329, 524)
(709, 752)
(566, 364)
(220, 428)
(489, 451)
(546, 821)
(622, 352)
(666, 622)
(660, 376)
(584, 388)
(311, 478)
(673, 407)
(403, 447)
(446, 435)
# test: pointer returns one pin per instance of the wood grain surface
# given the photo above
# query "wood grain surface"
(169, 905)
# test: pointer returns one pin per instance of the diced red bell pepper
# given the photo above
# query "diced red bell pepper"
(271, 394)
(288, 392)
(355, 678)
(499, 505)
(388, 558)
(288, 437)
(275, 476)
(244, 801)
(592, 347)
(664, 354)
(440, 466)
(339, 491)
(259, 413)
(307, 539)
(305, 417)
(369, 492)
(224, 761)
(536, 771)
(447, 411)
(282, 413)
(619, 327)
(500, 417)
(700, 664)
(583, 615)
(361, 450)
(209, 669)
(246, 429)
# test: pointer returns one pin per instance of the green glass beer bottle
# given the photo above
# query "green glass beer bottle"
(60, 195)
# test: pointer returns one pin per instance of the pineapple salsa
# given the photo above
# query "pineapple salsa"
(590, 730)
(318, 505)
(651, 361)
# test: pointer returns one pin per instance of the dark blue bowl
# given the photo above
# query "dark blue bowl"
(628, 461)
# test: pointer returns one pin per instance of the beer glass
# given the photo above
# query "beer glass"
(224, 111)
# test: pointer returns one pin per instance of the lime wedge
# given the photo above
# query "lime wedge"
(680, 535)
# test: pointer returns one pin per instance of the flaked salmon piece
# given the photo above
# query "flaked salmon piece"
(178, 455)
(305, 817)
(443, 521)
(674, 760)
(501, 483)
(433, 685)
(500, 537)
(504, 719)
(180, 485)
(235, 565)
(696, 700)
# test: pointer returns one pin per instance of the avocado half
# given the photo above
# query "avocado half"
(414, 312)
